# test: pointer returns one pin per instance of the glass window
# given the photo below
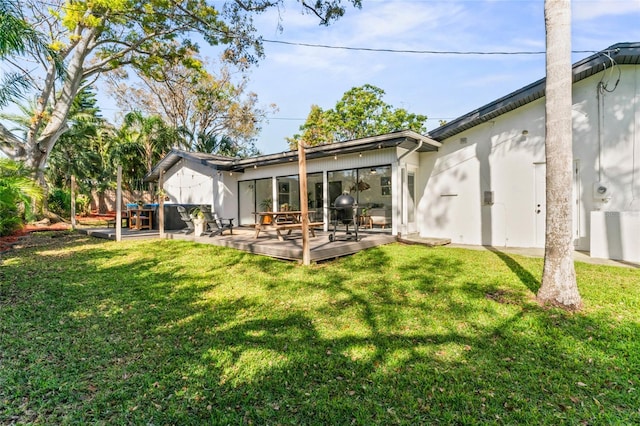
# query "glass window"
(341, 181)
(411, 187)
(374, 196)
(264, 194)
(315, 195)
(374, 187)
(246, 202)
(288, 193)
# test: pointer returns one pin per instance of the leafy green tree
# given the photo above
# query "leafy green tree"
(139, 143)
(101, 36)
(223, 145)
(17, 191)
(18, 37)
(317, 130)
(80, 150)
(360, 113)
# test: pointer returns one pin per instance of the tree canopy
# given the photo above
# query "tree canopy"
(200, 104)
(360, 113)
(17, 37)
(99, 36)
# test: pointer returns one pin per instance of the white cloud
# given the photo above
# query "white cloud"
(587, 10)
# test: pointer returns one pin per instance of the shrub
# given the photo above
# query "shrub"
(17, 191)
(83, 204)
(60, 202)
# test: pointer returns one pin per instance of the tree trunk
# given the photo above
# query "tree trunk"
(559, 285)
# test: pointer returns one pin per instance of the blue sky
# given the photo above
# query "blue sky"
(439, 86)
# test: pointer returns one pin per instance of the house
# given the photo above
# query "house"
(380, 172)
(479, 179)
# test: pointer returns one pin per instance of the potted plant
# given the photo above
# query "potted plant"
(266, 205)
(198, 221)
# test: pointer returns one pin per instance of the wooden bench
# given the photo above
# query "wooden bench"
(291, 226)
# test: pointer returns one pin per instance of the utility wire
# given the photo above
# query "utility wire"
(371, 49)
(420, 52)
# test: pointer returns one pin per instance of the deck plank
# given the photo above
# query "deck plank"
(268, 245)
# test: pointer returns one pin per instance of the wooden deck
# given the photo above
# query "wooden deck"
(266, 244)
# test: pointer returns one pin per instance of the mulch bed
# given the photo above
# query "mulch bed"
(7, 242)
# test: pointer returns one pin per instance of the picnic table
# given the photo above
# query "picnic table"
(140, 218)
(280, 221)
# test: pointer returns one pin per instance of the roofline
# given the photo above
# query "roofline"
(175, 155)
(620, 54)
(388, 140)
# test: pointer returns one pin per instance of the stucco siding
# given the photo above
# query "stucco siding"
(479, 163)
(503, 156)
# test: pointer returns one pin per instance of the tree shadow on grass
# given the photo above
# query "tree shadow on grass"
(526, 277)
(372, 339)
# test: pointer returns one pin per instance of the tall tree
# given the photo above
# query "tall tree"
(559, 285)
(98, 36)
(142, 141)
(80, 151)
(17, 37)
(197, 102)
(360, 113)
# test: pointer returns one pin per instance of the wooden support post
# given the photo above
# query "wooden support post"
(119, 205)
(73, 202)
(304, 204)
(161, 204)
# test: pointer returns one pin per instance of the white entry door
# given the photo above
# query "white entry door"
(408, 223)
(540, 202)
(412, 226)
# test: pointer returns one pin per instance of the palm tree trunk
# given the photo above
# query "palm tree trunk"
(559, 285)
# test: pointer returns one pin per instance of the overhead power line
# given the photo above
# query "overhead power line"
(419, 52)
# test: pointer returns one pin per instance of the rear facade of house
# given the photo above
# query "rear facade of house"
(478, 180)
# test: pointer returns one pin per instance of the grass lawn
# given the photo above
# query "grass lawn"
(171, 332)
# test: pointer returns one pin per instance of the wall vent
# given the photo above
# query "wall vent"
(488, 198)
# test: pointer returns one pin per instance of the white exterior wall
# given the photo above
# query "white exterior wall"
(497, 157)
(193, 183)
(189, 183)
(456, 178)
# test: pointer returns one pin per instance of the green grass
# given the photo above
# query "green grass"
(171, 332)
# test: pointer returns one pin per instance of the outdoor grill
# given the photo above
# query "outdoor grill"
(344, 214)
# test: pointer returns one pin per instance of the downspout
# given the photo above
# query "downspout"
(402, 200)
(600, 98)
(411, 151)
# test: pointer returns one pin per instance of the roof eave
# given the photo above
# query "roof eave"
(388, 140)
(622, 53)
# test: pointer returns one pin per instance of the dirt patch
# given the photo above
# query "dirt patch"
(9, 241)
